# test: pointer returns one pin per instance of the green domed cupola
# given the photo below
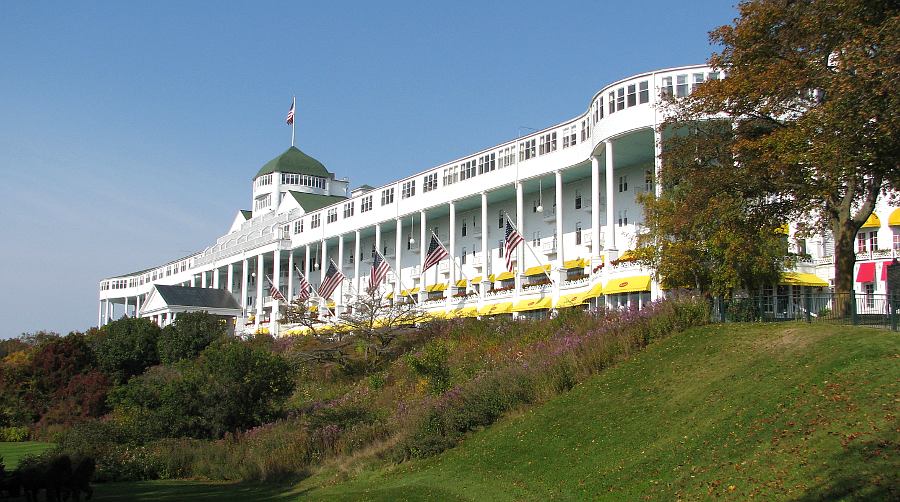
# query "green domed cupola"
(296, 162)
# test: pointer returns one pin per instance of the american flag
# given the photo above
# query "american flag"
(436, 253)
(380, 269)
(305, 289)
(332, 278)
(290, 116)
(273, 291)
(513, 239)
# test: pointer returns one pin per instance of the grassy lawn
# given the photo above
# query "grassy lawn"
(172, 491)
(13, 452)
(774, 411)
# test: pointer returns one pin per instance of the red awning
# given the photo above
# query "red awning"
(884, 269)
(866, 272)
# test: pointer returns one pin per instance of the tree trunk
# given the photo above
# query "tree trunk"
(844, 261)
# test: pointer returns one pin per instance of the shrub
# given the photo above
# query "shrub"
(188, 336)
(127, 347)
(431, 364)
(13, 434)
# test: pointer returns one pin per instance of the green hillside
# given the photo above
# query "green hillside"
(789, 411)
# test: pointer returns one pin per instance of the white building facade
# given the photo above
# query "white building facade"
(570, 190)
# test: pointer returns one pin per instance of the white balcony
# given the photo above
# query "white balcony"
(549, 247)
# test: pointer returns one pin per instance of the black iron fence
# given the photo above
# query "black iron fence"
(878, 310)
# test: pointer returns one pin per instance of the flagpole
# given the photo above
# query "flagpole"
(525, 243)
(294, 121)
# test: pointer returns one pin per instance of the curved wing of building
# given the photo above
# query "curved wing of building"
(570, 190)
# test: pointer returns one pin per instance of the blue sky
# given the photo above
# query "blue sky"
(129, 131)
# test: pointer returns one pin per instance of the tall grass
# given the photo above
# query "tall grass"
(468, 374)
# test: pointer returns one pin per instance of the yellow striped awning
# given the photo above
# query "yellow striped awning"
(872, 222)
(464, 312)
(441, 286)
(627, 285)
(540, 269)
(390, 295)
(409, 292)
(461, 283)
(571, 300)
(576, 263)
(800, 279)
(496, 308)
(477, 279)
(492, 278)
(505, 275)
(894, 218)
(436, 314)
(594, 292)
(534, 304)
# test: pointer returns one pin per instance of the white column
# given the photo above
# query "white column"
(290, 276)
(560, 274)
(137, 305)
(193, 279)
(520, 251)
(245, 273)
(378, 237)
(485, 249)
(423, 248)
(356, 260)
(100, 314)
(203, 279)
(260, 279)
(126, 306)
(611, 253)
(229, 276)
(276, 275)
(595, 206)
(306, 263)
(398, 257)
(655, 289)
(323, 261)
(215, 278)
(453, 260)
(108, 311)
(340, 264)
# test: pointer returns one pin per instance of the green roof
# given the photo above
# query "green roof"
(294, 161)
(311, 202)
(247, 213)
(197, 297)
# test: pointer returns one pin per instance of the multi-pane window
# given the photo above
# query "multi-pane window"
(577, 232)
(264, 180)
(507, 156)
(623, 217)
(527, 149)
(623, 183)
(262, 202)
(332, 215)
(585, 131)
(577, 199)
(698, 79)
(548, 143)
(612, 102)
(467, 170)
(681, 89)
(648, 180)
(408, 189)
(429, 182)
(487, 163)
(450, 175)
(620, 99)
(713, 75)
(500, 220)
(570, 137)
(463, 230)
(501, 245)
(462, 257)
(866, 241)
(290, 179)
(387, 196)
(365, 204)
(666, 88)
(315, 221)
(632, 94)
(643, 92)
(348, 209)
(298, 226)
(536, 238)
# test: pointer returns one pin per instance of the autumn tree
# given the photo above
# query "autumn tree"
(376, 322)
(810, 89)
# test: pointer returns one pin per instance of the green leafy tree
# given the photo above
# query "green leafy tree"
(127, 347)
(811, 87)
(189, 335)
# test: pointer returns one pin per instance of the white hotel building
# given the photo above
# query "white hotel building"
(570, 189)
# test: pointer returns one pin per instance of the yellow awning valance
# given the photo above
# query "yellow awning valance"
(505, 275)
(390, 295)
(627, 285)
(594, 292)
(872, 222)
(496, 308)
(540, 269)
(800, 279)
(492, 278)
(571, 300)
(535, 304)
(437, 314)
(461, 283)
(894, 218)
(464, 312)
(441, 286)
(476, 280)
(577, 263)
(409, 292)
